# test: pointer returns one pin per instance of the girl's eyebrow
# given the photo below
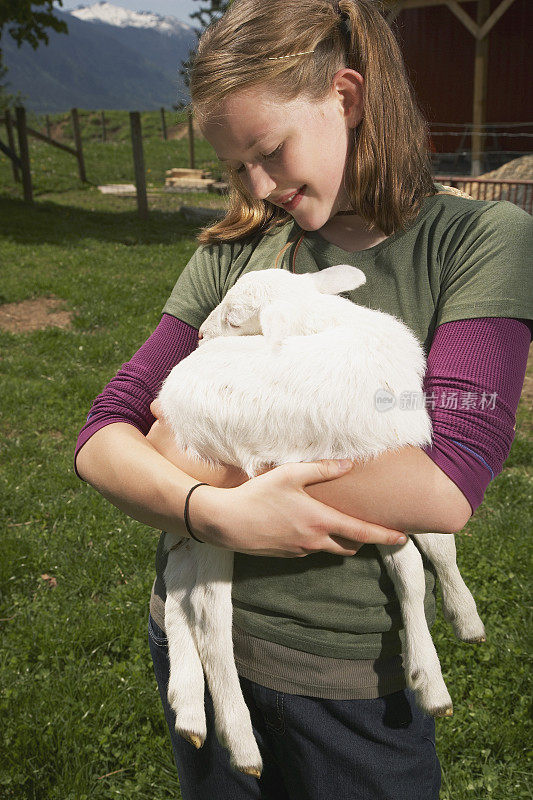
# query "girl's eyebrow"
(249, 146)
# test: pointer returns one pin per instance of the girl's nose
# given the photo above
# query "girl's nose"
(259, 182)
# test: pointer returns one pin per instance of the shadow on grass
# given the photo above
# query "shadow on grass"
(52, 223)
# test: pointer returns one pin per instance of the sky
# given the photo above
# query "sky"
(171, 8)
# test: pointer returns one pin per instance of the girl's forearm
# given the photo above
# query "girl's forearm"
(404, 490)
(121, 464)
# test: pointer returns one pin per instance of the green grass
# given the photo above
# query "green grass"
(55, 171)
(78, 699)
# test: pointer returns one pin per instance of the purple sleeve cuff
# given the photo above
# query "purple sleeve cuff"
(474, 378)
(127, 397)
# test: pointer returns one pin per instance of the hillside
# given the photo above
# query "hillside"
(100, 65)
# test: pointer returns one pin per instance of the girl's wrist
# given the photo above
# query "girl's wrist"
(206, 514)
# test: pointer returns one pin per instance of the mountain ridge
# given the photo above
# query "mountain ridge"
(99, 65)
(122, 17)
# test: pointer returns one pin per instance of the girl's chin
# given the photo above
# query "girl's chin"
(309, 219)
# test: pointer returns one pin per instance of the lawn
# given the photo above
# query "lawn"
(80, 711)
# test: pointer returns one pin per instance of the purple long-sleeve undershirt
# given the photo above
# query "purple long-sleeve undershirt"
(475, 373)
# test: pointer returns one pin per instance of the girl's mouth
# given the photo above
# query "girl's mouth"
(291, 204)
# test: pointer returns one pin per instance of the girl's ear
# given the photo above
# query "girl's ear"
(337, 279)
(348, 87)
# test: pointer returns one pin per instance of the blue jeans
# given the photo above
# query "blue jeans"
(312, 749)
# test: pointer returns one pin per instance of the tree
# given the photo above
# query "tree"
(26, 21)
(206, 14)
(213, 10)
(28, 24)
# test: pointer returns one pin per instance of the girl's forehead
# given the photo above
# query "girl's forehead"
(248, 117)
(243, 109)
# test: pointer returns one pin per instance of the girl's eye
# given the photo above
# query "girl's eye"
(267, 157)
(274, 153)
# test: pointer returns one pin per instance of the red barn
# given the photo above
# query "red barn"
(471, 65)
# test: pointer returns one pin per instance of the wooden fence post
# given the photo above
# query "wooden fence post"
(11, 143)
(138, 162)
(163, 124)
(479, 140)
(24, 153)
(77, 141)
(191, 138)
(48, 127)
(104, 132)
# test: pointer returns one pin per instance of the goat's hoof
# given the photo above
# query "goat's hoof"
(253, 771)
(475, 640)
(443, 711)
(468, 627)
(192, 738)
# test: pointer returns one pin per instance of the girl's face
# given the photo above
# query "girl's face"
(293, 153)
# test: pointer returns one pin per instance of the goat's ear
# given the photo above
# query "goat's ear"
(337, 279)
(277, 320)
(235, 317)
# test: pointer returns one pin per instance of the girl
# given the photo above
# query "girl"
(308, 105)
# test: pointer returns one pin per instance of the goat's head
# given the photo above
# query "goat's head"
(239, 312)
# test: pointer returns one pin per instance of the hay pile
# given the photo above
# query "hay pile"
(519, 169)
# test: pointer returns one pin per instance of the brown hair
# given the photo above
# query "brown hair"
(389, 170)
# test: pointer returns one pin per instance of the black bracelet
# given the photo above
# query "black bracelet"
(186, 512)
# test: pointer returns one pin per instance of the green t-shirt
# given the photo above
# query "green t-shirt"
(460, 259)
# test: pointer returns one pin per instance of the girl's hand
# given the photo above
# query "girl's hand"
(272, 515)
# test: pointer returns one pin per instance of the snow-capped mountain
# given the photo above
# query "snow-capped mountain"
(111, 58)
(124, 18)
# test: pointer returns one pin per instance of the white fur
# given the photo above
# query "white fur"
(288, 371)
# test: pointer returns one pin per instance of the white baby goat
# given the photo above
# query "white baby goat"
(287, 371)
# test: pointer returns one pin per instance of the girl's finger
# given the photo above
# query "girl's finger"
(306, 473)
(354, 532)
(155, 408)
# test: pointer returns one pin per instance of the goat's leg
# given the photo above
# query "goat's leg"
(211, 599)
(186, 681)
(459, 607)
(422, 667)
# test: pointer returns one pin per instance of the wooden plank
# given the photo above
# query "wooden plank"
(77, 141)
(138, 163)
(43, 138)
(191, 138)
(465, 18)
(479, 32)
(10, 154)
(481, 60)
(24, 154)
(15, 160)
(494, 17)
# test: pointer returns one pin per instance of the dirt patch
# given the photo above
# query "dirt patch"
(57, 130)
(181, 130)
(34, 315)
